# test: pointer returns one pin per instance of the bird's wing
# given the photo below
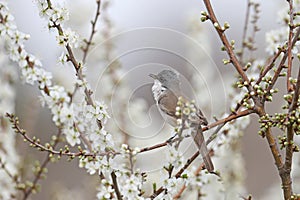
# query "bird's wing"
(167, 103)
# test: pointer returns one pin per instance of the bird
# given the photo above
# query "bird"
(166, 91)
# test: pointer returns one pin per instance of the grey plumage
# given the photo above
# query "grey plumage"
(166, 90)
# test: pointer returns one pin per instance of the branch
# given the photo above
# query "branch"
(29, 191)
(290, 46)
(115, 185)
(76, 65)
(196, 173)
(290, 136)
(284, 175)
(232, 116)
(294, 103)
(226, 43)
(245, 30)
(35, 143)
(179, 173)
(269, 66)
(281, 64)
(94, 22)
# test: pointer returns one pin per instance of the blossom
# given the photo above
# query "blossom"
(70, 38)
(174, 157)
(72, 136)
(54, 13)
(45, 79)
(276, 39)
(92, 167)
(131, 188)
(98, 111)
(63, 58)
(105, 190)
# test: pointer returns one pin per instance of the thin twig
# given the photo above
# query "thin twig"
(232, 116)
(245, 30)
(296, 93)
(93, 22)
(290, 46)
(37, 177)
(226, 44)
(270, 65)
(51, 150)
(281, 64)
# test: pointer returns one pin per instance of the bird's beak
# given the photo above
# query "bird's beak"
(154, 76)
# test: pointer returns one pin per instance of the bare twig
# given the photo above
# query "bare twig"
(281, 64)
(205, 128)
(228, 47)
(37, 177)
(294, 103)
(290, 46)
(89, 41)
(245, 30)
(269, 66)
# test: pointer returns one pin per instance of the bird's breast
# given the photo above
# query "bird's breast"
(157, 90)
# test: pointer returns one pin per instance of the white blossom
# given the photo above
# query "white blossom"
(72, 136)
(105, 190)
(175, 157)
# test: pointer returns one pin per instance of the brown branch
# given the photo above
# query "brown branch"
(270, 65)
(290, 46)
(89, 41)
(179, 173)
(37, 177)
(245, 30)
(226, 44)
(281, 64)
(232, 116)
(76, 65)
(15, 122)
(284, 175)
(179, 193)
(196, 173)
(294, 103)
(115, 185)
(290, 144)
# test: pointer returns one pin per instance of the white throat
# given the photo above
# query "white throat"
(157, 89)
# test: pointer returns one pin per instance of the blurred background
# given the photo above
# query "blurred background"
(146, 36)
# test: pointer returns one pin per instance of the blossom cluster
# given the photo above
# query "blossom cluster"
(277, 38)
(9, 158)
(75, 120)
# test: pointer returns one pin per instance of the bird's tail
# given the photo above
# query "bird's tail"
(200, 142)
